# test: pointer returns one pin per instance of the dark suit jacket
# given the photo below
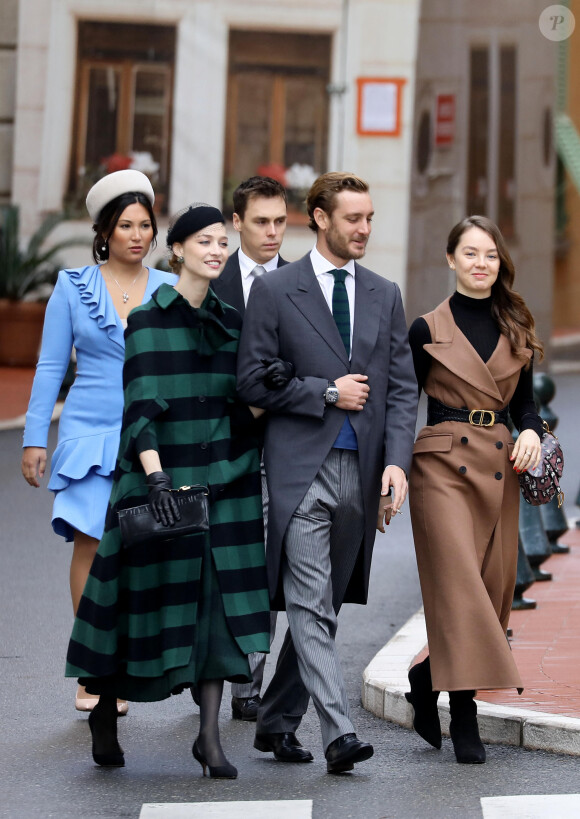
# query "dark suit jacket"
(228, 287)
(287, 316)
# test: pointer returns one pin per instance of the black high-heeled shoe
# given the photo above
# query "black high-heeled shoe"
(106, 749)
(464, 730)
(226, 771)
(424, 701)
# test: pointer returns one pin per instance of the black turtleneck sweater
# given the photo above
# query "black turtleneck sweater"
(474, 319)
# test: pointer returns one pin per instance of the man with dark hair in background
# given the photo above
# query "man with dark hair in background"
(260, 219)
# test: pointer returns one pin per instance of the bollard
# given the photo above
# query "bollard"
(524, 579)
(534, 539)
(544, 392)
(532, 535)
(555, 524)
(553, 519)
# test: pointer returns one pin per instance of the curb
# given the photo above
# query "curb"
(19, 421)
(13, 423)
(383, 694)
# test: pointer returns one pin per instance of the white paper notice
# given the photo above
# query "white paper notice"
(379, 106)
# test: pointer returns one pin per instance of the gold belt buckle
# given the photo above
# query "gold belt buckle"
(482, 414)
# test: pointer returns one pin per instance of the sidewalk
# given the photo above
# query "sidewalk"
(15, 386)
(545, 642)
(546, 647)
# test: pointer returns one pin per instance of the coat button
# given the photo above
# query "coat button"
(462, 470)
(499, 444)
(203, 446)
(498, 476)
(464, 440)
(201, 399)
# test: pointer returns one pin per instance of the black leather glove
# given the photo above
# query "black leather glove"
(278, 373)
(162, 502)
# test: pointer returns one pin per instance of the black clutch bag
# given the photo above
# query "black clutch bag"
(138, 526)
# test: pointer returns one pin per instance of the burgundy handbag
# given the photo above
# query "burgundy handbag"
(539, 485)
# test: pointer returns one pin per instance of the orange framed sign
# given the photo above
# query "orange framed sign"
(379, 106)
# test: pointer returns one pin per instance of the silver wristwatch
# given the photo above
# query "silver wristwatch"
(331, 393)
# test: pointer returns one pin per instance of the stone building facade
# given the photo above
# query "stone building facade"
(440, 105)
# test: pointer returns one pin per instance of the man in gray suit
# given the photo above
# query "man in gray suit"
(260, 219)
(339, 435)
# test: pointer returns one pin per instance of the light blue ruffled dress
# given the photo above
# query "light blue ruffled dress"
(81, 313)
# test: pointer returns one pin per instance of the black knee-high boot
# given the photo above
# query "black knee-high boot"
(424, 701)
(103, 725)
(463, 728)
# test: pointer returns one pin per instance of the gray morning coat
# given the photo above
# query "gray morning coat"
(287, 316)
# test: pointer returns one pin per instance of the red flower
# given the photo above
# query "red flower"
(116, 162)
(274, 170)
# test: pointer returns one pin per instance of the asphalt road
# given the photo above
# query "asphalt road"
(46, 767)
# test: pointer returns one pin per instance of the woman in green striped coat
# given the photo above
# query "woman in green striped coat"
(157, 619)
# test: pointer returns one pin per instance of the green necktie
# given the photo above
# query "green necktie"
(340, 307)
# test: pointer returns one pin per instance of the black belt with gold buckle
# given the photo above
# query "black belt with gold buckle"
(437, 412)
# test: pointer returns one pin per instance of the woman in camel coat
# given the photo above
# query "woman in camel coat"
(472, 357)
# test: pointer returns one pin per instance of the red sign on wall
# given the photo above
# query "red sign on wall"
(445, 119)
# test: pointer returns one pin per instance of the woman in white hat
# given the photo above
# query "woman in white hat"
(88, 311)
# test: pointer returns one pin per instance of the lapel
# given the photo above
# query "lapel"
(367, 317)
(117, 333)
(452, 349)
(308, 298)
(228, 287)
(503, 363)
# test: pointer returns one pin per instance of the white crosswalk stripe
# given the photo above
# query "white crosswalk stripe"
(550, 806)
(283, 809)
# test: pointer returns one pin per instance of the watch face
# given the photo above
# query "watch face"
(331, 396)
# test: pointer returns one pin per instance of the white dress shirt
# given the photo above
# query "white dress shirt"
(246, 267)
(322, 268)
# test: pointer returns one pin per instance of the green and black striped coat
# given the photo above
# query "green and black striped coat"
(138, 612)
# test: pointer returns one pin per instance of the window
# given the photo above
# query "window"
(424, 142)
(123, 102)
(477, 187)
(277, 111)
(491, 184)
(506, 185)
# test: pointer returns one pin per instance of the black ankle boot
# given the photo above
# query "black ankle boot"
(463, 728)
(424, 701)
(103, 725)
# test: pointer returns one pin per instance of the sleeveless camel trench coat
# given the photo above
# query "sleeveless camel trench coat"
(464, 501)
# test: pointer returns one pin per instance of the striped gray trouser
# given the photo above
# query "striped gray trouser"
(321, 545)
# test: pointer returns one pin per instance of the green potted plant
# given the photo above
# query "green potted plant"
(27, 275)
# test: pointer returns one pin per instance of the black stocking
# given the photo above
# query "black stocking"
(208, 741)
